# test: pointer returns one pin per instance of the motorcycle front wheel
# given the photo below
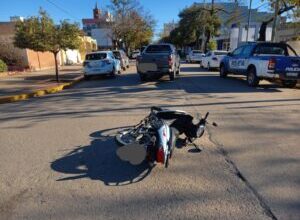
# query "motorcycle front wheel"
(125, 137)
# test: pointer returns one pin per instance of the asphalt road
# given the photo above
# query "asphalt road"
(58, 157)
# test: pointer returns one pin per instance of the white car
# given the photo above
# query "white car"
(194, 56)
(121, 55)
(101, 63)
(135, 54)
(213, 59)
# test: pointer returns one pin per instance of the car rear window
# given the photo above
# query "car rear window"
(158, 49)
(96, 56)
(221, 53)
(271, 49)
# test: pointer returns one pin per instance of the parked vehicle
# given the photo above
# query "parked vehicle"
(134, 54)
(263, 60)
(121, 55)
(158, 60)
(194, 56)
(158, 138)
(101, 63)
(213, 58)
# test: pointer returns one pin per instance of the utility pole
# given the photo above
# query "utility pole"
(249, 18)
(273, 39)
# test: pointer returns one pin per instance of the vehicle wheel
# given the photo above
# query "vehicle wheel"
(252, 78)
(127, 66)
(113, 73)
(223, 71)
(124, 68)
(142, 77)
(86, 77)
(178, 71)
(289, 83)
(208, 66)
(172, 76)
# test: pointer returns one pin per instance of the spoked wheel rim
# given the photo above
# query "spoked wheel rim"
(125, 138)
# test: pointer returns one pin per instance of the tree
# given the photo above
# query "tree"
(131, 26)
(195, 21)
(39, 33)
(284, 6)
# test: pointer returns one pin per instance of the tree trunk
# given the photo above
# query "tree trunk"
(56, 66)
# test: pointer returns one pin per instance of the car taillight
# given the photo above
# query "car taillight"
(272, 63)
(160, 155)
(215, 58)
(170, 62)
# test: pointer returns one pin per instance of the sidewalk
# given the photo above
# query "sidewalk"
(24, 85)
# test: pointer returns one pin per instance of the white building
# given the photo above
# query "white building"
(103, 36)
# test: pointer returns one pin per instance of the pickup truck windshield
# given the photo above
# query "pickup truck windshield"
(158, 49)
(96, 56)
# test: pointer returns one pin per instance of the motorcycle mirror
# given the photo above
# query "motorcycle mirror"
(215, 124)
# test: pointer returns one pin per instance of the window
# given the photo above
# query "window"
(271, 49)
(159, 49)
(208, 54)
(221, 52)
(96, 56)
(247, 51)
(237, 51)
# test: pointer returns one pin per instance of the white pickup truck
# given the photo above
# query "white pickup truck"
(263, 60)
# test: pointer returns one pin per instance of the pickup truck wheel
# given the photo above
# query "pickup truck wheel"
(178, 71)
(172, 76)
(223, 71)
(289, 83)
(252, 78)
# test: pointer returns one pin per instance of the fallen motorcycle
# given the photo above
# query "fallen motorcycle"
(158, 132)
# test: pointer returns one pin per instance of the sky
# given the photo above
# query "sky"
(162, 10)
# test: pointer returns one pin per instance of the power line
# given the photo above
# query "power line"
(62, 9)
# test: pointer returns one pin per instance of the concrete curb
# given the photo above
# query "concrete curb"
(39, 92)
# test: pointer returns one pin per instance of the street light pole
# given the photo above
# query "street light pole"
(249, 18)
(273, 39)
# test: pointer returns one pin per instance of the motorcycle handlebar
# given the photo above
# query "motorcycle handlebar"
(206, 116)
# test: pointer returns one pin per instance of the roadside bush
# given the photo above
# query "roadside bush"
(212, 45)
(3, 66)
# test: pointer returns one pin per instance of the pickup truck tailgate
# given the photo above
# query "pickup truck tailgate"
(288, 65)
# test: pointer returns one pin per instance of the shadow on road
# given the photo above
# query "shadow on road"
(99, 161)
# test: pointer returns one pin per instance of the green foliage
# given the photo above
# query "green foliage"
(212, 45)
(194, 22)
(3, 66)
(41, 34)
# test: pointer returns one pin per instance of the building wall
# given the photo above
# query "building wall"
(103, 37)
(26, 58)
(39, 60)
